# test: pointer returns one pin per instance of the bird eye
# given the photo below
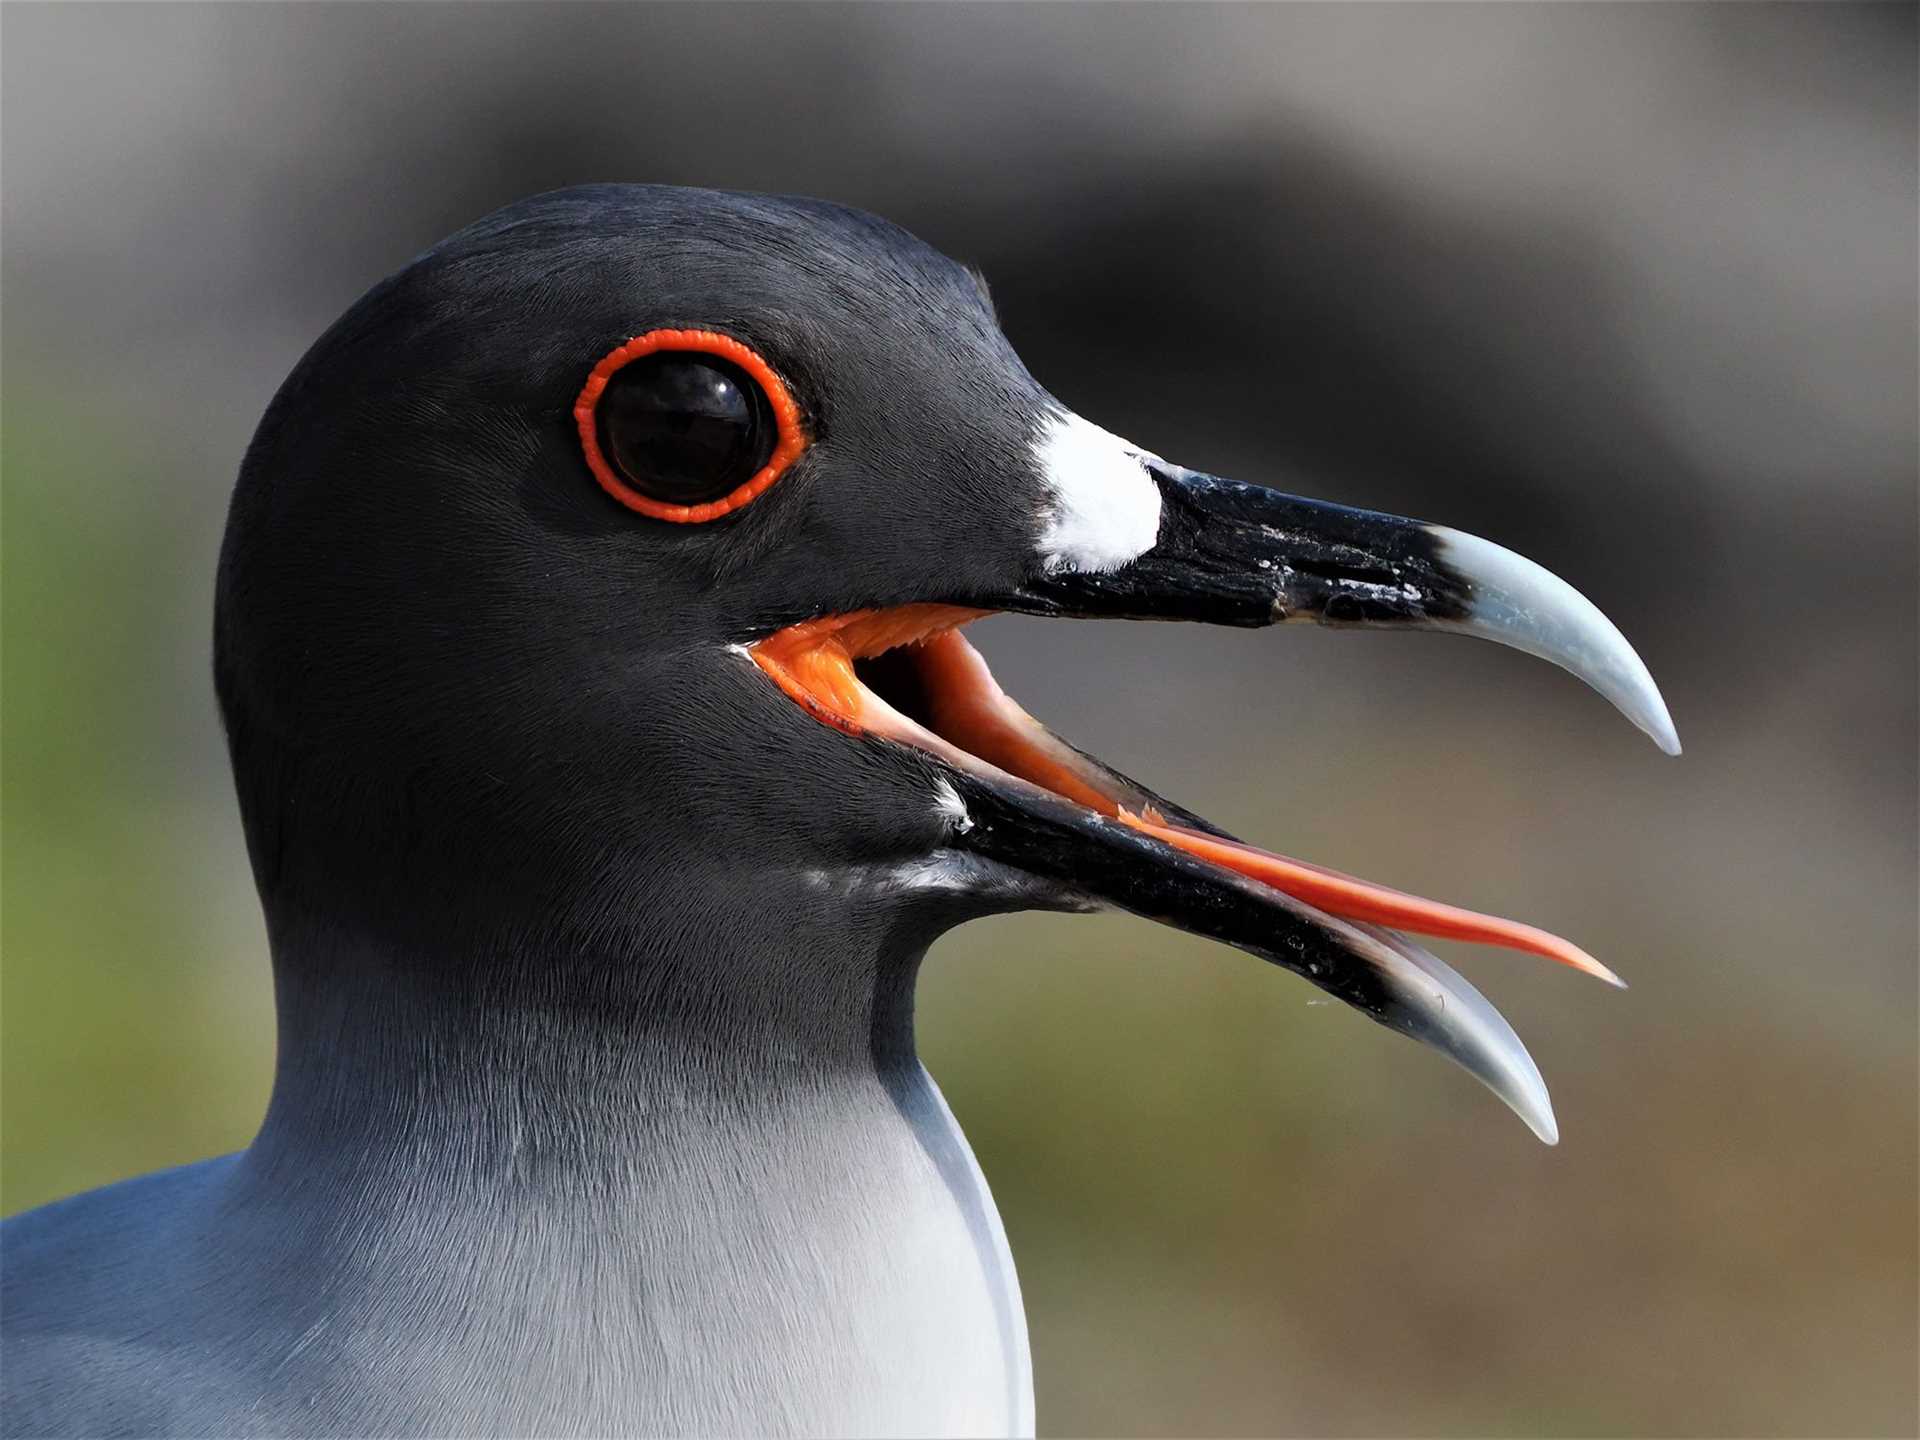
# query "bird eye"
(686, 425)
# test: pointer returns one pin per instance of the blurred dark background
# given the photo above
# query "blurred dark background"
(1631, 289)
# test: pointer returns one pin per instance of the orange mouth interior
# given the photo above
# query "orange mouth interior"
(848, 671)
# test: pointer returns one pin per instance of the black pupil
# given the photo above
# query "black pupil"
(684, 428)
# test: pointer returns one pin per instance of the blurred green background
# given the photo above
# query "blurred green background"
(1629, 288)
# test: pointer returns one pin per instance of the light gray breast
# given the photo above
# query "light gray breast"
(831, 1263)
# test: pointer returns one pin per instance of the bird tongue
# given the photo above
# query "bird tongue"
(1362, 900)
(968, 709)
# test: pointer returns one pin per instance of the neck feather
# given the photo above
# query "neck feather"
(563, 1062)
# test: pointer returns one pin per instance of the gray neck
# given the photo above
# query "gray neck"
(547, 1075)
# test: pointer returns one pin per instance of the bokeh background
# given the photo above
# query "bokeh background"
(1629, 288)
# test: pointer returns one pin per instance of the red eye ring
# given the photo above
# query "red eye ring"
(792, 441)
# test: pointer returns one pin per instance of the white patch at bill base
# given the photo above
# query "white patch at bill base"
(1103, 507)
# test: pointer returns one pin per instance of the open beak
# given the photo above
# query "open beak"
(1234, 554)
